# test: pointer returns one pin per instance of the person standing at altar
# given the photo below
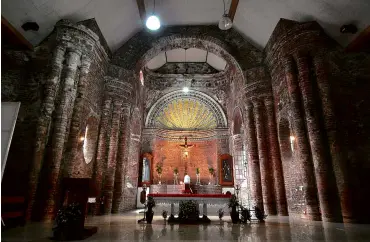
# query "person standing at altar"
(187, 183)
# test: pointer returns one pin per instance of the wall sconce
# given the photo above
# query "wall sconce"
(82, 138)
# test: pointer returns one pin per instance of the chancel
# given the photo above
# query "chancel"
(192, 117)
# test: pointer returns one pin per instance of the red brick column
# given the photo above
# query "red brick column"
(59, 136)
(265, 166)
(280, 196)
(325, 180)
(77, 112)
(102, 150)
(302, 154)
(253, 162)
(112, 155)
(338, 161)
(119, 181)
(47, 108)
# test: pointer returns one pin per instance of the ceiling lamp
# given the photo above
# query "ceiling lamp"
(225, 21)
(153, 22)
(185, 89)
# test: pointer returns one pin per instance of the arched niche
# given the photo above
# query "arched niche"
(237, 121)
(90, 138)
(286, 140)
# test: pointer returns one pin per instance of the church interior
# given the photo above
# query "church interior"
(224, 107)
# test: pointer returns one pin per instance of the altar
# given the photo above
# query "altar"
(204, 199)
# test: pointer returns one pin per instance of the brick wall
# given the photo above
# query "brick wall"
(203, 155)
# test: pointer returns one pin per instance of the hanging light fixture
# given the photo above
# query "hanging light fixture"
(225, 21)
(153, 22)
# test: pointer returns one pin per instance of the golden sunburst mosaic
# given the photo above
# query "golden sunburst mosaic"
(186, 114)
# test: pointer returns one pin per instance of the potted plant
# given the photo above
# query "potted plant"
(220, 213)
(175, 174)
(150, 213)
(197, 172)
(158, 169)
(260, 214)
(245, 214)
(69, 223)
(233, 204)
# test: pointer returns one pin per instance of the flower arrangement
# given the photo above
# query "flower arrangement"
(164, 214)
(220, 213)
(158, 168)
(211, 171)
(150, 203)
(197, 170)
(233, 202)
(68, 221)
(260, 214)
(245, 214)
(188, 210)
(176, 171)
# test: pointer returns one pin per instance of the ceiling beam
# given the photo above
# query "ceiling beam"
(141, 7)
(11, 36)
(232, 9)
(361, 42)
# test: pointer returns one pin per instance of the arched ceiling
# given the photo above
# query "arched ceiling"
(193, 110)
(186, 114)
(191, 55)
(120, 19)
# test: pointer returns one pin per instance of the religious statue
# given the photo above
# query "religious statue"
(226, 170)
(146, 170)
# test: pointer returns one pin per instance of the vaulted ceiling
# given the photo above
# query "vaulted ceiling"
(120, 19)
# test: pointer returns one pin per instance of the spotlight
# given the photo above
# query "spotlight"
(153, 23)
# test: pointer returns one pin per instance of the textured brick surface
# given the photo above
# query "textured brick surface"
(306, 87)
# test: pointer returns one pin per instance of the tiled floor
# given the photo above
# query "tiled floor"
(125, 228)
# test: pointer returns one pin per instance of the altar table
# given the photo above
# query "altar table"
(200, 198)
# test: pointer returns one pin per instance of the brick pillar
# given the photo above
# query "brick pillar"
(338, 160)
(325, 180)
(119, 181)
(303, 151)
(277, 168)
(43, 123)
(265, 166)
(112, 155)
(101, 155)
(59, 135)
(253, 162)
(74, 134)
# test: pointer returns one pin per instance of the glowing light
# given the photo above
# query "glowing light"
(153, 23)
(292, 138)
(185, 89)
(82, 138)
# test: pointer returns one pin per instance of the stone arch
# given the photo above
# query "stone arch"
(144, 45)
(158, 106)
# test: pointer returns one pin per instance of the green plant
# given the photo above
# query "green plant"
(245, 214)
(68, 221)
(211, 171)
(197, 170)
(260, 214)
(158, 168)
(176, 171)
(220, 213)
(150, 203)
(233, 202)
(188, 210)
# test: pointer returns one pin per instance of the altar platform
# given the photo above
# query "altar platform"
(201, 199)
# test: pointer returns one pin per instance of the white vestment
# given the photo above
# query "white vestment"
(187, 179)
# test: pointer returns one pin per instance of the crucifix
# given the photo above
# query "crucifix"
(185, 147)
